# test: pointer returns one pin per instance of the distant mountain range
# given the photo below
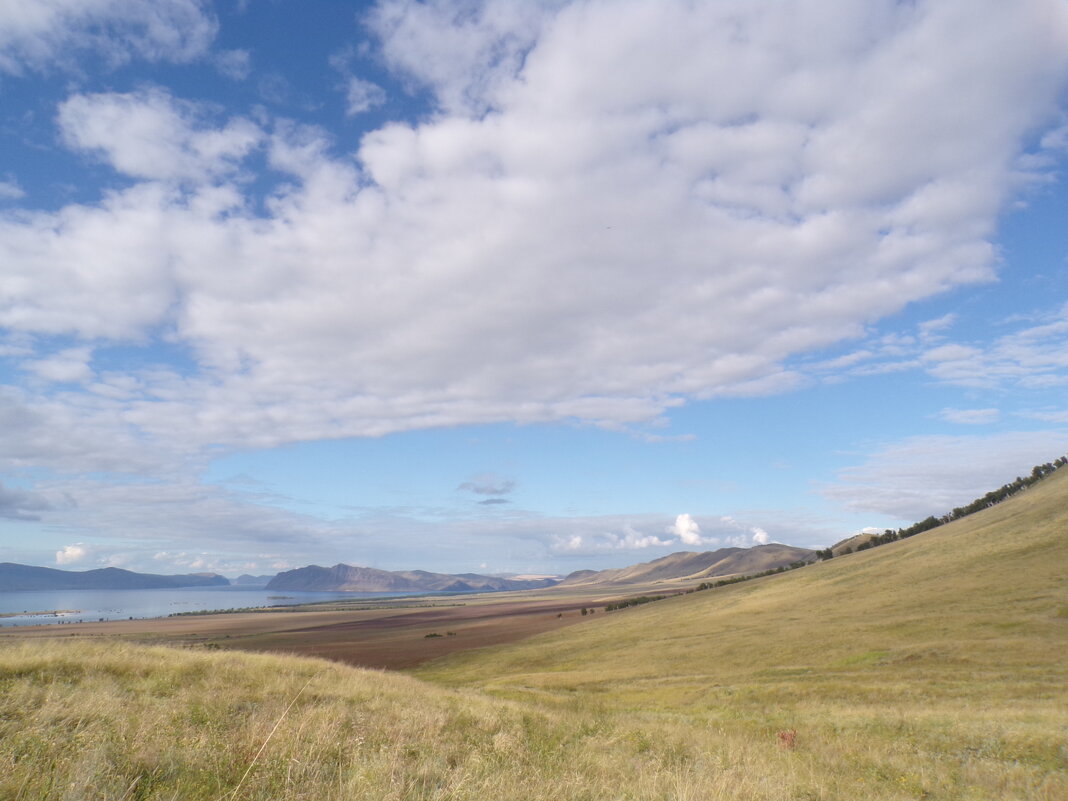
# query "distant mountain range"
(680, 566)
(346, 578)
(697, 565)
(27, 577)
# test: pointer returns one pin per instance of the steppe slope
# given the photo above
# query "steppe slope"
(937, 662)
(988, 593)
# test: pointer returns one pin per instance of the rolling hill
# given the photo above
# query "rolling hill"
(28, 577)
(956, 635)
(690, 565)
(992, 585)
(346, 578)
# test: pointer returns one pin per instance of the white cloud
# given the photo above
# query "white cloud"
(617, 208)
(363, 96)
(1033, 356)
(618, 533)
(39, 34)
(469, 53)
(176, 514)
(10, 190)
(148, 134)
(687, 530)
(970, 416)
(67, 366)
(930, 329)
(72, 554)
(931, 475)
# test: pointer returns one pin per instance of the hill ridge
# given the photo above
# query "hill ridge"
(349, 578)
(696, 565)
(14, 576)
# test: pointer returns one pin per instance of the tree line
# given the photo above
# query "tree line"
(711, 585)
(992, 498)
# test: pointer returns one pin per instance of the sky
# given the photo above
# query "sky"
(481, 285)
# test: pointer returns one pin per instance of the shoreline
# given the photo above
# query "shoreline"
(385, 634)
(45, 613)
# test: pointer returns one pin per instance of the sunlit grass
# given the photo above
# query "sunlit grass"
(88, 720)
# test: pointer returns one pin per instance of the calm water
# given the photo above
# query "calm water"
(93, 605)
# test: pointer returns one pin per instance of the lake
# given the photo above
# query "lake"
(85, 606)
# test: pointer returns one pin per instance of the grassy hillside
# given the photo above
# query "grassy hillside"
(929, 668)
(109, 721)
(939, 663)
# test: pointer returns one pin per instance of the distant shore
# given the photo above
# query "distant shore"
(46, 613)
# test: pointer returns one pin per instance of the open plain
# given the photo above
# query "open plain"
(382, 634)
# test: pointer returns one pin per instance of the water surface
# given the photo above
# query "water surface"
(90, 606)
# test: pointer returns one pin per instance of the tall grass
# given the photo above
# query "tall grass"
(97, 721)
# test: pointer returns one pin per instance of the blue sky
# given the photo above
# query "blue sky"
(520, 287)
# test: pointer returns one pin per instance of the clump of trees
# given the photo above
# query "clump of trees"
(641, 599)
(992, 498)
(711, 585)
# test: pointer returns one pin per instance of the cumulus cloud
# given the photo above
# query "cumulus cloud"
(70, 365)
(627, 537)
(687, 530)
(149, 134)
(930, 475)
(41, 34)
(618, 534)
(469, 54)
(72, 554)
(615, 209)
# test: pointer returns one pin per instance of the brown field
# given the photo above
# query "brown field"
(389, 635)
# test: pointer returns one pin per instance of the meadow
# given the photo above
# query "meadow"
(932, 667)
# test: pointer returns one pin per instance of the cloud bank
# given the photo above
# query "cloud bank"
(617, 208)
(608, 211)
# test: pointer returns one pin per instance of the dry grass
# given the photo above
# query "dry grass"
(86, 720)
(931, 665)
